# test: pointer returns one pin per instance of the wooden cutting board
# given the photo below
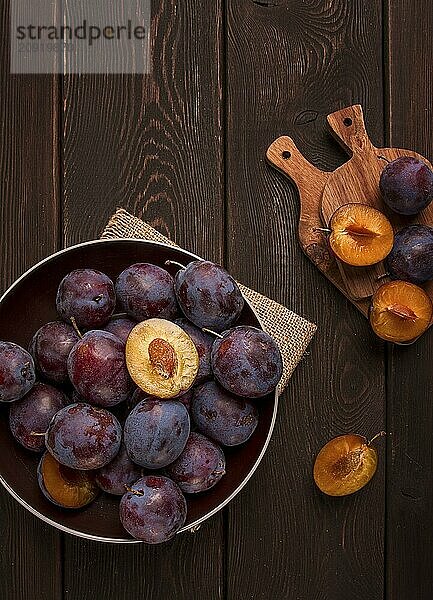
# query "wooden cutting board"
(321, 193)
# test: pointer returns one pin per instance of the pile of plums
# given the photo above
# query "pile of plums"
(361, 235)
(139, 404)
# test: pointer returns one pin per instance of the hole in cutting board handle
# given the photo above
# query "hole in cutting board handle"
(347, 121)
(286, 154)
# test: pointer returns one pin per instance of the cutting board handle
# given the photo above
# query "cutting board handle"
(310, 181)
(285, 156)
(348, 127)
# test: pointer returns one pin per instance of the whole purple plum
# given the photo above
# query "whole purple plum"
(140, 395)
(208, 295)
(120, 327)
(203, 342)
(406, 185)
(154, 510)
(17, 372)
(87, 296)
(120, 472)
(146, 291)
(50, 348)
(200, 466)
(33, 413)
(186, 398)
(411, 258)
(156, 432)
(81, 436)
(136, 397)
(97, 369)
(224, 418)
(247, 362)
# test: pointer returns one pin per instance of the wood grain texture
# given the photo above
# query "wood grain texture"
(288, 64)
(29, 216)
(152, 144)
(410, 384)
(188, 567)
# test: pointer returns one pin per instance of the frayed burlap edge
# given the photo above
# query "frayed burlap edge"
(291, 332)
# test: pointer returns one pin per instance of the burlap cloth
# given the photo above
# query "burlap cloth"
(291, 332)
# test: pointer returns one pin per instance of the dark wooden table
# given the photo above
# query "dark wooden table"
(184, 148)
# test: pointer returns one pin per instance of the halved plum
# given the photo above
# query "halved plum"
(344, 465)
(400, 311)
(360, 235)
(161, 358)
(65, 487)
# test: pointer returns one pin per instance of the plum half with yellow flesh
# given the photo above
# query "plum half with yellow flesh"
(65, 487)
(161, 358)
(400, 311)
(360, 235)
(345, 464)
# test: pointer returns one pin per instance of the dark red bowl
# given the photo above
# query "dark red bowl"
(28, 304)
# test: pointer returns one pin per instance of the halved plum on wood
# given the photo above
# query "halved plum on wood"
(360, 235)
(345, 464)
(161, 358)
(400, 311)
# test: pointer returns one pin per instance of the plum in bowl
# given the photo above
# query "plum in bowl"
(29, 304)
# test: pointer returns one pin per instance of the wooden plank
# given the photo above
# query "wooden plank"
(289, 64)
(410, 411)
(154, 145)
(30, 559)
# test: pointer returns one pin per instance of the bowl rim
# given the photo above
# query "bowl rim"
(191, 527)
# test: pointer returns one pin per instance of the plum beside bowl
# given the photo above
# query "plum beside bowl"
(26, 306)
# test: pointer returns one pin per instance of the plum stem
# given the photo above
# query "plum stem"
(37, 433)
(383, 158)
(175, 263)
(378, 435)
(119, 315)
(212, 332)
(132, 491)
(323, 229)
(382, 276)
(75, 326)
